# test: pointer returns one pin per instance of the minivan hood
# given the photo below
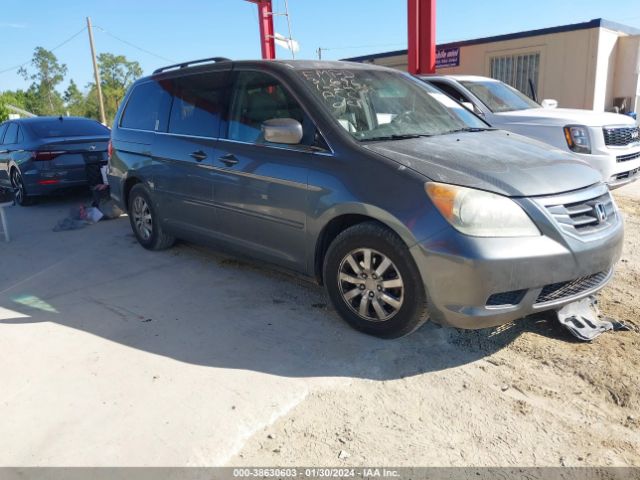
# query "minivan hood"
(495, 160)
(565, 116)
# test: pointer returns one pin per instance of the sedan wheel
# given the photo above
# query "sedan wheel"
(18, 186)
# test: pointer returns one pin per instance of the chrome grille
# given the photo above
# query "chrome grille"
(571, 288)
(626, 158)
(584, 217)
(621, 136)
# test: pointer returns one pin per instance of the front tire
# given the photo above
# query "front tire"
(374, 283)
(145, 222)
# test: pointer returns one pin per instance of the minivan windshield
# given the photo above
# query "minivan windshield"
(381, 105)
(498, 96)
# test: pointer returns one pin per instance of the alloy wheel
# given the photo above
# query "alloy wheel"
(18, 186)
(371, 284)
(141, 214)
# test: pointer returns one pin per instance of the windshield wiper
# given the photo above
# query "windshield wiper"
(468, 129)
(395, 137)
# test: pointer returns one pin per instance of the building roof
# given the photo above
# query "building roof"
(595, 23)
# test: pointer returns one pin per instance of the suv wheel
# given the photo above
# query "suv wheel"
(144, 221)
(373, 281)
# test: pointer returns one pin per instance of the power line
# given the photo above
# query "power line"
(51, 50)
(133, 45)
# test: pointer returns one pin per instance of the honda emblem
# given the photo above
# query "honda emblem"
(601, 212)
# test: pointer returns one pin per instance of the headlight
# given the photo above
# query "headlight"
(577, 137)
(480, 214)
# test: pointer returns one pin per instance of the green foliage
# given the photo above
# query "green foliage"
(4, 112)
(17, 98)
(74, 101)
(116, 75)
(46, 75)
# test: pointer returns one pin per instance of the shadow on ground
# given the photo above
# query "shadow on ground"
(194, 305)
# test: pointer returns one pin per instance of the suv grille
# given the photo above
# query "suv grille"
(561, 290)
(585, 217)
(621, 136)
(627, 157)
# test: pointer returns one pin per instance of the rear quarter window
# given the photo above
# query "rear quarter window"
(147, 108)
(68, 127)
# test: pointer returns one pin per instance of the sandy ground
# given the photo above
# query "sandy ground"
(112, 355)
(525, 394)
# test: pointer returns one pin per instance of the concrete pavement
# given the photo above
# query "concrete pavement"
(113, 355)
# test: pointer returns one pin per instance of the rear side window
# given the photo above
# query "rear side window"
(68, 127)
(12, 134)
(3, 129)
(147, 108)
(199, 103)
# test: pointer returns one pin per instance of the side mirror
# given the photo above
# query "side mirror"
(282, 130)
(549, 103)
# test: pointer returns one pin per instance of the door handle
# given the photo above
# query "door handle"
(229, 159)
(199, 155)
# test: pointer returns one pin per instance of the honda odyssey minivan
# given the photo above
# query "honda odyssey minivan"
(403, 203)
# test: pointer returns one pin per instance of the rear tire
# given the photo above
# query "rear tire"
(374, 283)
(20, 193)
(145, 222)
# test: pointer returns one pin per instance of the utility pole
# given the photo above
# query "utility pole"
(319, 53)
(96, 72)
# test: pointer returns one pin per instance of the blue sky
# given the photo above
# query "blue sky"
(189, 29)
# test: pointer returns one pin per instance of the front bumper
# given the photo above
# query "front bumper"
(618, 166)
(476, 282)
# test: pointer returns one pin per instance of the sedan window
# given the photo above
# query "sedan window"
(499, 97)
(67, 127)
(11, 136)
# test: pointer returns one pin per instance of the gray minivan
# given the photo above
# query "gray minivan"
(404, 204)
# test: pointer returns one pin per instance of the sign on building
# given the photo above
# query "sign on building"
(448, 57)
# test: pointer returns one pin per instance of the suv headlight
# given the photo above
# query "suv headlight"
(577, 137)
(479, 213)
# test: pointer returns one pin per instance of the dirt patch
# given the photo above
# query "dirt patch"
(537, 398)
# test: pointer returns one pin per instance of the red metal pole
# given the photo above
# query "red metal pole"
(421, 52)
(265, 20)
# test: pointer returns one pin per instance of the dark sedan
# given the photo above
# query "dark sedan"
(42, 155)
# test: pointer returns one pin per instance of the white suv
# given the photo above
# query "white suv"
(608, 141)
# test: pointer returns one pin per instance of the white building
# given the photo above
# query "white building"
(593, 65)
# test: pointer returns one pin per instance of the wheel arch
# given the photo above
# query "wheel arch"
(339, 219)
(127, 185)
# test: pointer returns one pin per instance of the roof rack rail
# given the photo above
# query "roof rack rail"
(192, 62)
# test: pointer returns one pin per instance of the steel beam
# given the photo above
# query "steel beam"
(265, 20)
(421, 49)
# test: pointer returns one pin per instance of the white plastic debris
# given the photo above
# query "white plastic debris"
(582, 319)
